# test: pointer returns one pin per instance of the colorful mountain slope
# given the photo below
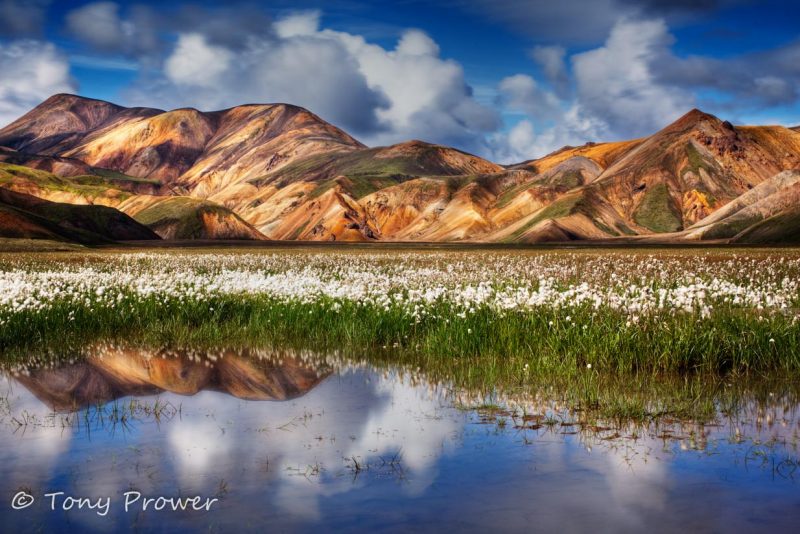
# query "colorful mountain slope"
(280, 172)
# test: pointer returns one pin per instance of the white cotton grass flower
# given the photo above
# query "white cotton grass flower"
(572, 284)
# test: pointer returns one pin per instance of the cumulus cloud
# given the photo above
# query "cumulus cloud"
(383, 95)
(525, 141)
(196, 62)
(761, 79)
(22, 17)
(427, 96)
(30, 71)
(522, 93)
(306, 70)
(617, 95)
(101, 25)
(302, 23)
(551, 59)
(616, 81)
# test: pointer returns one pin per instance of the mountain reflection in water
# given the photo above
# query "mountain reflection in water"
(353, 447)
(110, 373)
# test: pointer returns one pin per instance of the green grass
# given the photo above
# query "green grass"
(89, 185)
(667, 366)
(729, 228)
(695, 161)
(604, 227)
(184, 212)
(85, 224)
(657, 212)
(114, 176)
(36, 245)
(357, 186)
(362, 167)
(499, 344)
(510, 194)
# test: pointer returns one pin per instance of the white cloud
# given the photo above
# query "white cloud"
(428, 96)
(30, 72)
(551, 59)
(97, 23)
(616, 82)
(382, 95)
(312, 71)
(304, 23)
(521, 93)
(618, 94)
(22, 17)
(417, 43)
(524, 141)
(196, 62)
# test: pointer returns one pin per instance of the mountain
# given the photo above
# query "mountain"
(279, 172)
(185, 149)
(662, 184)
(760, 215)
(189, 218)
(171, 217)
(25, 216)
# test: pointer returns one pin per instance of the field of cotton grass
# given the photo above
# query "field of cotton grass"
(502, 316)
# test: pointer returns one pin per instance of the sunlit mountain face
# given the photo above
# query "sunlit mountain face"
(259, 172)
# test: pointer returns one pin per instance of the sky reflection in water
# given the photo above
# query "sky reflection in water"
(299, 446)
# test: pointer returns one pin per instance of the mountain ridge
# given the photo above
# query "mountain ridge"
(278, 171)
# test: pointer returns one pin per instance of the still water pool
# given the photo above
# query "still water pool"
(287, 442)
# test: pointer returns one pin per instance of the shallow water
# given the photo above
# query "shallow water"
(292, 443)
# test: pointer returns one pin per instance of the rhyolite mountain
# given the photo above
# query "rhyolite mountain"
(276, 171)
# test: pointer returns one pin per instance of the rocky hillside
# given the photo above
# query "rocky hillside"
(280, 172)
(28, 217)
(184, 148)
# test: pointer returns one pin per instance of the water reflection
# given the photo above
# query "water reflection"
(355, 447)
(111, 372)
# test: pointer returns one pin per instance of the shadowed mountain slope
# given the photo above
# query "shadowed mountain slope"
(189, 218)
(25, 216)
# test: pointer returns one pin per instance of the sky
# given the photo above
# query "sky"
(505, 79)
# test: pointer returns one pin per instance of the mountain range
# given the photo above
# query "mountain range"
(279, 172)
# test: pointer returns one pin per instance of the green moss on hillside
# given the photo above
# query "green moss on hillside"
(695, 161)
(780, 229)
(560, 208)
(364, 165)
(185, 213)
(656, 211)
(87, 185)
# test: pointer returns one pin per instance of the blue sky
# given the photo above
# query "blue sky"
(507, 79)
